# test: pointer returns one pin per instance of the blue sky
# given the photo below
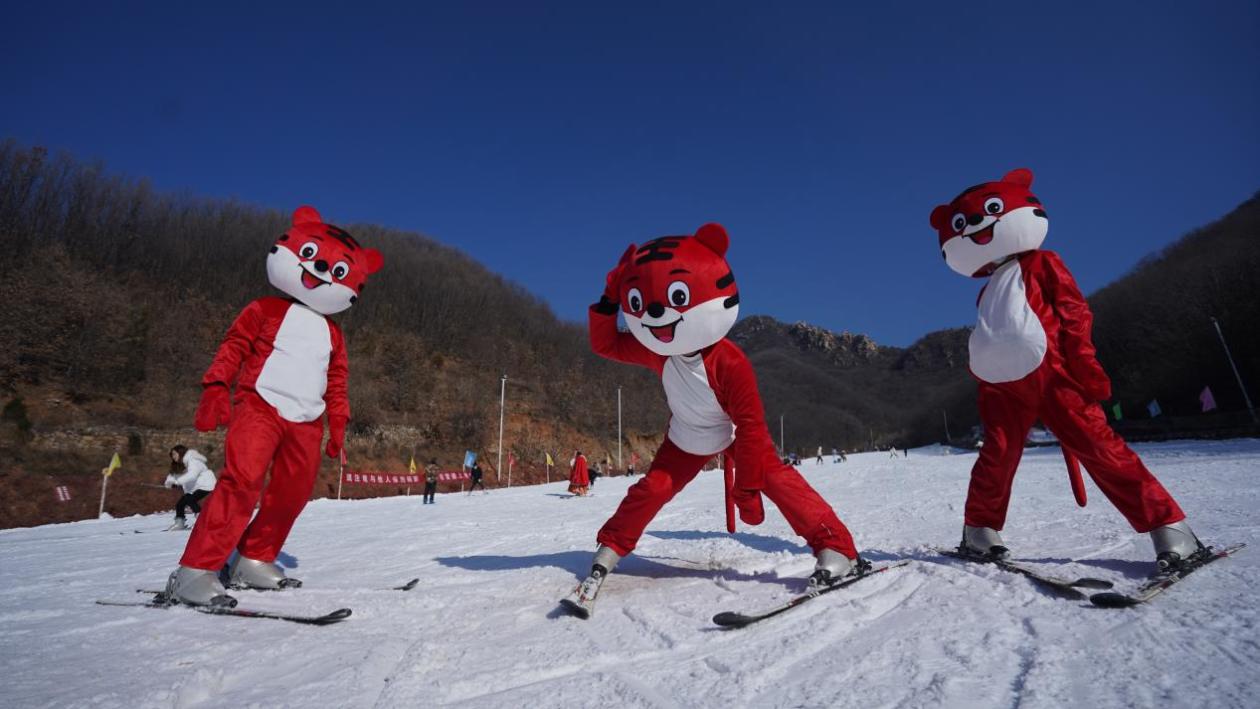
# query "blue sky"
(542, 138)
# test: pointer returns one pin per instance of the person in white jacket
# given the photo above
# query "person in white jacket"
(190, 473)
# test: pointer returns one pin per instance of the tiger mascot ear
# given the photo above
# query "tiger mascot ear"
(373, 259)
(306, 215)
(940, 217)
(1020, 176)
(714, 236)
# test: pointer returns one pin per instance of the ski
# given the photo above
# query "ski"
(1162, 582)
(160, 602)
(405, 587)
(1069, 588)
(732, 619)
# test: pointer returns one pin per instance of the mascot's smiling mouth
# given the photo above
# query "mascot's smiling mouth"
(664, 333)
(985, 235)
(310, 280)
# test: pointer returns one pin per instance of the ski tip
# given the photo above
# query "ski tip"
(339, 614)
(409, 585)
(730, 619)
(575, 610)
(1113, 600)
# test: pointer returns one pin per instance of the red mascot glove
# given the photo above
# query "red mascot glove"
(215, 408)
(1095, 382)
(336, 437)
(751, 510)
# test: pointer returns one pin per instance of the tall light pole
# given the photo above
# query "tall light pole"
(498, 468)
(1250, 409)
(619, 428)
(948, 438)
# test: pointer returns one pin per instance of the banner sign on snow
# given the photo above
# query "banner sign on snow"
(364, 478)
(63, 493)
(470, 459)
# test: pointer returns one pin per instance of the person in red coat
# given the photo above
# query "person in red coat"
(579, 476)
(288, 362)
(1032, 354)
(679, 299)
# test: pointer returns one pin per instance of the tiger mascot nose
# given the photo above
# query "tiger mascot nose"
(656, 310)
(321, 265)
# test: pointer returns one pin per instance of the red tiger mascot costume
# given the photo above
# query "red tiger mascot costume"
(679, 299)
(288, 361)
(1033, 356)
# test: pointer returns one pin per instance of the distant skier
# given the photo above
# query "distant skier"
(430, 481)
(189, 473)
(596, 471)
(287, 362)
(819, 460)
(1033, 355)
(679, 299)
(579, 475)
(476, 479)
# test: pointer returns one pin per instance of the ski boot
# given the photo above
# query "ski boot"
(983, 544)
(1175, 544)
(833, 566)
(197, 587)
(179, 525)
(581, 602)
(263, 575)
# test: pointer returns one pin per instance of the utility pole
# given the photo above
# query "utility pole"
(619, 428)
(1250, 409)
(498, 468)
(948, 438)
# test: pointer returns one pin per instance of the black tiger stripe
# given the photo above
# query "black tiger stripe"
(726, 280)
(658, 250)
(731, 301)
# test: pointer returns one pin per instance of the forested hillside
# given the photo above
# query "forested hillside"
(115, 297)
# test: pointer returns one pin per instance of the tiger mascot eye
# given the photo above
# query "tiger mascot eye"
(679, 299)
(1033, 356)
(288, 362)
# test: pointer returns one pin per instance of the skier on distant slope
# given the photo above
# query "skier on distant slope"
(1033, 356)
(288, 361)
(679, 299)
(189, 473)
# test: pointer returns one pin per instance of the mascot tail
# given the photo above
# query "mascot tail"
(728, 470)
(1074, 476)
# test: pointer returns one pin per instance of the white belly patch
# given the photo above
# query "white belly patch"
(697, 422)
(295, 375)
(1009, 341)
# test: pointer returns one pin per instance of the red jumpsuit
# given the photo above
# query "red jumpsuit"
(289, 364)
(1032, 354)
(717, 387)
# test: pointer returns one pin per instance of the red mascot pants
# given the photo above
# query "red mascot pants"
(257, 438)
(806, 511)
(1009, 410)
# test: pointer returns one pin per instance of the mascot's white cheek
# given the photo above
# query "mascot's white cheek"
(1016, 232)
(284, 271)
(700, 326)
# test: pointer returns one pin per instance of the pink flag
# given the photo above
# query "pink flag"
(1206, 398)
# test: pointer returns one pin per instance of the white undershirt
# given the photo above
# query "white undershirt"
(1009, 341)
(295, 375)
(698, 424)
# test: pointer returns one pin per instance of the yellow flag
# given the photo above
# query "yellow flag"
(549, 460)
(114, 464)
(412, 467)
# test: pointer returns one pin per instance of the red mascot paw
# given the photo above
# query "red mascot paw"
(751, 510)
(215, 408)
(336, 437)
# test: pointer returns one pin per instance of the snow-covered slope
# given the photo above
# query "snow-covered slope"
(481, 629)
